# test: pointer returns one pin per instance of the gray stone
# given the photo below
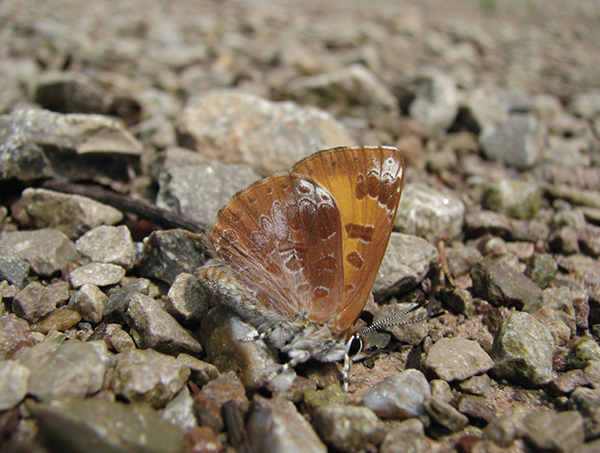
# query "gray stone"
(201, 372)
(441, 390)
(42, 144)
(456, 359)
(148, 376)
(482, 108)
(47, 251)
(412, 332)
(445, 415)
(516, 199)
(275, 426)
(152, 327)
(175, 157)
(461, 259)
(119, 339)
(460, 301)
(347, 428)
(479, 385)
(118, 300)
(541, 433)
(180, 411)
(568, 152)
(211, 398)
(199, 191)
(576, 196)
(522, 351)
(157, 132)
(352, 91)
(475, 407)
(169, 253)
(14, 379)
(33, 302)
(555, 306)
(435, 105)
(542, 269)
(222, 336)
(407, 437)
(400, 396)
(583, 353)
(586, 105)
(68, 92)
(406, 263)
(587, 403)
(76, 424)
(236, 127)
(501, 286)
(504, 430)
(96, 274)
(89, 302)
(109, 245)
(13, 268)
(186, 300)
(516, 141)
(478, 223)
(565, 241)
(427, 211)
(17, 77)
(71, 369)
(13, 331)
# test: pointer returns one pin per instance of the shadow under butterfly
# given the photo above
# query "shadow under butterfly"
(305, 246)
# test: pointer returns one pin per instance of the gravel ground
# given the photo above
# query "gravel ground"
(126, 126)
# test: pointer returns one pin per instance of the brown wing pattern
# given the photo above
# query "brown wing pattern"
(281, 238)
(367, 183)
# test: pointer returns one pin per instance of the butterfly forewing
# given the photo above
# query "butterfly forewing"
(367, 183)
(281, 238)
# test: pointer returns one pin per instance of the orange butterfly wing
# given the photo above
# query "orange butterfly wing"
(281, 238)
(367, 183)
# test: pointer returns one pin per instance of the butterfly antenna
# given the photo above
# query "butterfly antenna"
(384, 322)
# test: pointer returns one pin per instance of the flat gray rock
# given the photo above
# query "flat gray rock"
(108, 244)
(14, 379)
(96, 274)
(456, 359)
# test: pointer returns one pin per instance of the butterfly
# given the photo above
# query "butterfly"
(306, 245)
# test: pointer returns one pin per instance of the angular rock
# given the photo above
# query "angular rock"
(475, 408)
(541, 433)
(347, 428)
(89, 302)
(314, 399)
(461, 259)
(222, 336)
(456, 359)
(435, 105)
(412, 333)
(351, 91)
(108, 245)
(13, 332)
(68, 92)
(169, 253)
(275, 426)
(148, 376)
(118, 301)
(180, 411)
(72, 214)
(587, 403)
(59, 320)
(583, 353)
(35, 301)
(47, 251)
(13, 383)
(152, 327)
(186, 300)
(478, 385)
(75, 424)
(516, 199)
(42, 144)
(516, 141)
(407, 261)
(445, 415)
(478, 223)
(542, 269)
(236, 127)
(96, 274)
(406, 437)
(426, 211)
(209, 401)
(199, 191)
(201, 372)
(71, 369)
(13, 268)
(504, 430)
(501, 286)
(400, 396)
(522, 351)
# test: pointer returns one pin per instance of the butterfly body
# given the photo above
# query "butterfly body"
(301, 249)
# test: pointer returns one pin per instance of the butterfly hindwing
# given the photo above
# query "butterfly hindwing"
(366, 183)
(281, 238)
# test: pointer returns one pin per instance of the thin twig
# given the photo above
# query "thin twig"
(163, 217)
(442, 251)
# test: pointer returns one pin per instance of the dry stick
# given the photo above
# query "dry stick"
(443, 261)
(235, 427)
(166, 219)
